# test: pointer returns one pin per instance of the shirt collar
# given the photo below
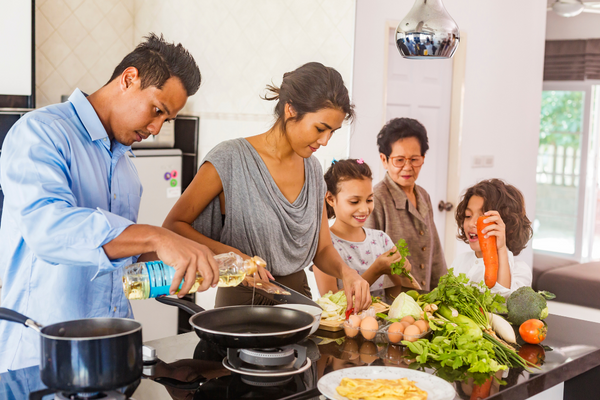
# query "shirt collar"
(397, 193)
(87, 115)
(401, 200)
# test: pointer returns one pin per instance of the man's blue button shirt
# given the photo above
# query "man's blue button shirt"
(68, 191)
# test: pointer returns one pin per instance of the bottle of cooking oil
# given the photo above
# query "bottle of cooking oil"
(150, 279)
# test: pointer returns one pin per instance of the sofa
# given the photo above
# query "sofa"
(571, 282)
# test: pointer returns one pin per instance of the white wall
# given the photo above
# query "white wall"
(583, 26)
(241, 46)
(503, 86)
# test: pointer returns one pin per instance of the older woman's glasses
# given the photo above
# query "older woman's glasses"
(399, 162)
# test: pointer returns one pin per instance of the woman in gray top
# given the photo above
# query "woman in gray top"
(264, 195)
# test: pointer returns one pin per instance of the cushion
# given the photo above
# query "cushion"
(543, 263)
(574, 284)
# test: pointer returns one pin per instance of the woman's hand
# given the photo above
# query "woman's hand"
(358, 294)
(497, 229)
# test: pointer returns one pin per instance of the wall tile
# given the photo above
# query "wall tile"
(54, 87)
(43, 68)
(55, 49)
(89, 15)
(56, 11)
(78, 46)
(71, 31)
(73, 4)
(71, 69)
(88, 52)
(43, 28)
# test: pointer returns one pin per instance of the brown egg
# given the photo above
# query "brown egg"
(393, 354)
(412, 333)
(409, 319)
(422, 324)
(368, 352)
(352, 325)
(350, 350)
(368, 327)
(406, 324)
(395, 332)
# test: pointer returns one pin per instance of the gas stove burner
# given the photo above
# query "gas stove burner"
(268, 357)
(281, 362)
(283, 359)
(111, 395)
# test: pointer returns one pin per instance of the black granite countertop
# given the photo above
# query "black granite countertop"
(574, 359)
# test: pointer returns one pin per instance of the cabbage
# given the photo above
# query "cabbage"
(333, 305)
(404, 305)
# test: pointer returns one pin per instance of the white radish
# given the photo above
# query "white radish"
(502, 328)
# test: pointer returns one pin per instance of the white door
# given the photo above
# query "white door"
(421, 89)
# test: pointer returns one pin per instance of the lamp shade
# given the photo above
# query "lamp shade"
(567, 9)
(427, 32)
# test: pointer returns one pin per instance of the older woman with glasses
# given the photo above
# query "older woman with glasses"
(402, 208)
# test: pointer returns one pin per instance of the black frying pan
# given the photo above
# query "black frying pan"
(246, 327)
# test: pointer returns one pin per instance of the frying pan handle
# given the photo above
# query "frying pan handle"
(188, 306)
(175, 384)
(10, 315)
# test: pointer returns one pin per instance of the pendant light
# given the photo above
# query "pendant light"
(427, 32)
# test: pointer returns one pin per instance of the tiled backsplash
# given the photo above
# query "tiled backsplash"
(240, 46)
(78, 44)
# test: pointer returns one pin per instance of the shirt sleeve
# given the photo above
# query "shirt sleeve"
(35, 176)
(520, 275)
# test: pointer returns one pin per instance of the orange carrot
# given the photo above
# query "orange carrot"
(490, 253)
(482, 391)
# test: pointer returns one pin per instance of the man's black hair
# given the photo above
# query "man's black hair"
(157, 60)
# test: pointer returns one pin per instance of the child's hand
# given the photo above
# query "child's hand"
(497, 229)
(385, 261)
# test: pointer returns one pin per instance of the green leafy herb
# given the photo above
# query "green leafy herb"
(473, 300)
(398, 267)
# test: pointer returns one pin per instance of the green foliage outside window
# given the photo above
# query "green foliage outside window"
(561, 119)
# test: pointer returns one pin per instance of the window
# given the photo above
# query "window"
(567, 194)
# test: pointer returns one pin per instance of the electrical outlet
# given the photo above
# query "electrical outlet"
(482, 162)
(488, 161)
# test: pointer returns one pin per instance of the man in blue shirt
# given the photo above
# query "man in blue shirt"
(72, 197)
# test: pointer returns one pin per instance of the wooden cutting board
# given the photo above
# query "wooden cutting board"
(334, 326)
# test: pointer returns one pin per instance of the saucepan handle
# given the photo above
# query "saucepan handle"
(186, 305)
(10, 315)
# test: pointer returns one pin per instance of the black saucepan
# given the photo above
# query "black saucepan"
(246, 327)
(87, 355)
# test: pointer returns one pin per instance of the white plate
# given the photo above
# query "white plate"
(436, 388)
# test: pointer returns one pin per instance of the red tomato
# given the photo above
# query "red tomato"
(534, 353)
(533, 331)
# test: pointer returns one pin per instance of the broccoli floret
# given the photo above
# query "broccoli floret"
(524, 303)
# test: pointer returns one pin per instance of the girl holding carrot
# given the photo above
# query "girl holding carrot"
(502, 207)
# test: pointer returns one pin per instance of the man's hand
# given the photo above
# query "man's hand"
(188, 258)
(357, 290)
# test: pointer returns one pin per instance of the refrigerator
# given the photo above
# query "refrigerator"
(160, 173)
